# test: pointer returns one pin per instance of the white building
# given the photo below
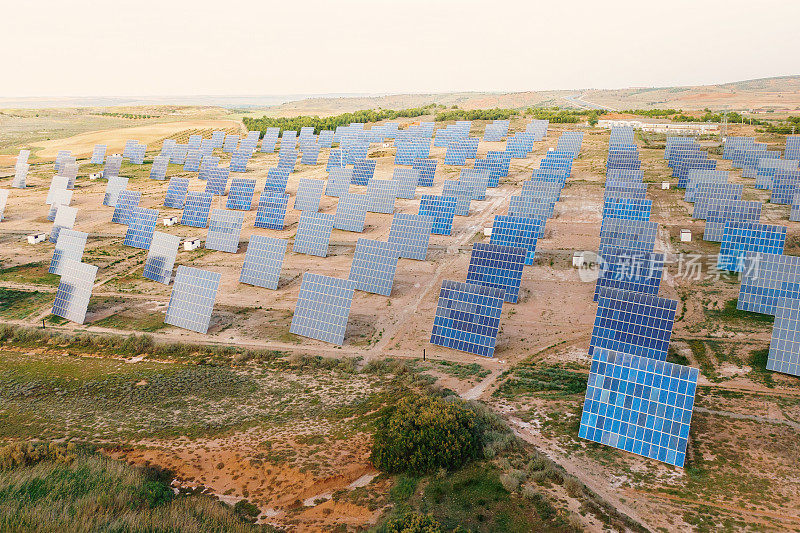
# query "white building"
(677, 128)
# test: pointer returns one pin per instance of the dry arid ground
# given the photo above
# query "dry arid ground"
(288, 441)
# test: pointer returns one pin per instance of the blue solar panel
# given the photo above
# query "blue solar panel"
(176, 192)
(629, 271)
(126, 201)
(784, 347)
(217, 181)
(140, 227)
(192, 299)
(742, 238)
(495, 165)
(195, 212)
(499, 266)
(635, 235)
(313, 233)
(468, 317)
(765, 279)
(323, 308)
(363, 172)
(620, 174)
(309, 194)
(334, 160)
(240, 159)
(721, 211)
(271, 210)
(427, 171)
(520, 232)
(339, 182)
(351, 212)
(224, 230)
(477, 180)
(525, 206)
(627, 208)
(74, 290)
(633, 323)
(161, 257)
(624, 189)
(639, 405)
(708, 192)
(407, 180)
(374, 265)
(240, 195)
(263, 262)
(192, 162)
(277, 179)
(542, 189)
(159, 169)
(382, 195)
(442, 209)
(456, 153)
(231, 143)
(287, 160)
(794, 210)
(699, 177)
(462, 192)
(784, 186)
(69, 246)
(98, 154)
(411, 234)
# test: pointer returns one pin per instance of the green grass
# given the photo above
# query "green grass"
(530, 378)
(758, 363)
(134, 320)
(461, 370)
(729, 313)
(32, 273)
(18, 304)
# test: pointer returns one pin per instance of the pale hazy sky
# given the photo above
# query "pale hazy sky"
(176, 47)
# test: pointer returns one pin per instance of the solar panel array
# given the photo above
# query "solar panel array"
(462, 192)
(407, 180)
(518, 232)
(784, 347)
(64, 219)
(721, 211)
(765, 279)
(309, 194)
(263, 262)
(427, 171)
(69, 246)
(98, 154)
(707, 193)
(374, 265)
(468, 317)
(411, 235)
(742, 238)
(271, 210)
(627, 208)
(141, 225)
(224, 230)
(499, 266)
(277, 178)
(363, 172)
(161, 257)
(442, 209)
(177, 190)
(20, 175)
(240, 195)
(784, 186)
(382, 195)
(192, 299)
(196, 208)
(126, 201)
(323, 308)
(113, 166)
(313, 233)
(634, 235)
(159, 169)
(351, 212)
(638, 272)
(217, 182)
(74, 290)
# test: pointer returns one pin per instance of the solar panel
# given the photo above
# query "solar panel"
(310, 154)
(240, 195)
(721, 211)
(518, 232)
(634, 235)
(411, 234)
(631, 271)
(192, 161)
(20, 175)
(70, 246)
(334, 160)
(277, 179)
(231, 143)
(161, 257)
(784, 185)
(176, 192)
(194, 141)
(442, 209)
(374, 265)
(639, 405)
(468, 317)
(159, 169)
(141, 224)
(707, 192)
(784, 347)
(287, 159)
(122, 211)
(113, 166)
(57, 184)
(765, 279)
(742, 238)
(765, 172)
(224, 230)
(477, 180)
(208, 165)
(351, 212)
(195, 212)
(192, 299)
(525, 206)
(363, 171)
(382, 195)
(60, 197)
(59, 160)
(271, 210)
(313, 233)
(323, 308)
(74, 290)
(794, 211)
(627, 208)
(462, 192)
(309, 194)
(168, 147)
(64, 219)
(339, 182)
(4, 201)
(263, 262)
(698, 177)
(427, 171)
(240, 158)
(633, 323)
(456, 153)
(620, 174)
(499, 266)
(178, 154)
(407, 180)
(217, 181)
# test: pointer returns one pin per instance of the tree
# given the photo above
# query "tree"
(413, 523)
(592, 119)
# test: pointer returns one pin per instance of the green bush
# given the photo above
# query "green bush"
(424, 433)
(412, 523)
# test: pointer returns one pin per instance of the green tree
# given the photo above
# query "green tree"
(413, 523)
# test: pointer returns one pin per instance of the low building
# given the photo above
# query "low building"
(676, 128)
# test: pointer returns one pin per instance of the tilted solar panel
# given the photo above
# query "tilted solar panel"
(635, 235)
(525, 206)
(70, 246)
(192, 299)
(784, 347)
(407, 180)
(159, 169)
(240, 195)
(277, 179)
(141, 224)
(217, 181)
(224, 230)
(468, 317)
(499, 266)
(411, 235)
(313, 233)
(721, 211)
(629, 271)
(323, 308)
(74, 290)
(351, 212)
(627, 208)
(382, 195)
(442, 209)
(309, 194)
(177, 190)
(462, 192)
(125, 203)
(363, 171)
(98, 154)
(339, 182)
(518, 232)
(766, 278)
(271, 210)
(639, 405)
(64, 219)
(427, 171)
(161, 257)
(374, 265)
(195, 212)
(263, 262)
(742, 238)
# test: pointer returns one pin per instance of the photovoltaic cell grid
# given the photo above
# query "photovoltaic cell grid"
(240, 195)
(20, 175)
(224, 230)
(623, 189)
(709, 192)
(427, 171)
(442, 209)
(125, 203)
(631, 271)
(374, 265)
(498, 266)
(518, 232)
(192, 162)
(542, 188)
(351, 212)
(635, 235)
(70, 246)
(698, 178)
(263, 262)
(161, 257)
(784, 347)
(74, 290)
(176, 193)
(363, 172)
(323, 308)
(277, 179)
(407, 180)
(784, 185)
(59, 197)
(271, 210)
(456, 153)
(339, 182)
(217, 181)
(192, 299)
(98, 154)
(382, 195)
(159, 169)
(721, 211)
(742, 238)
(462, 192)
(627, 208)
(195, 212)
(522, 206)
(411, 235)
(468, 317)
(64, 219)
(57, 185)
(633, 323)
(141, 224)
(313, 233)
(477, 180)
(619, 174)
(639, 405)
(309, 194)
(765, 279)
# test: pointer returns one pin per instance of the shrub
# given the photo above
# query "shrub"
(412, 523)
(423, 433)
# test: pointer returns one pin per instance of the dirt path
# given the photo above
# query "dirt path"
(755, 418)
